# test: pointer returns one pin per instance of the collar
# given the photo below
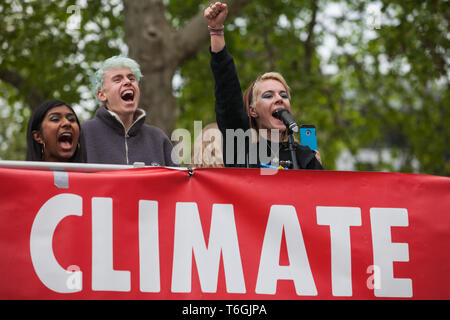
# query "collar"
(113, 120)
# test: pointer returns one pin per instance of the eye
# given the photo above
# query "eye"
(71, 118)
(54, 118)
(267, 96)
(284, 95)
(132, 78)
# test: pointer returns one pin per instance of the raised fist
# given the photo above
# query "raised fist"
(216, 14)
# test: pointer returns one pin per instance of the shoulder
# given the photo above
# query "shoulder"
(301, 148)
(88, 124)
(95, 120)
(91, 124)
(306, 157)
(153, 131)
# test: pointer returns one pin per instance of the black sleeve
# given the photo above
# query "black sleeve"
(229, 104)
(314, 164)
(307, 158)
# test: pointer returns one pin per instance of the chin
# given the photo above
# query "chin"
(129, 103)
(66, 157)
(279, 128)
(128, 108)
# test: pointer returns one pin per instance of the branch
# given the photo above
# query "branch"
(309, 43)
(269, 49)
(32, 96)
(146, 30)
(195, 33)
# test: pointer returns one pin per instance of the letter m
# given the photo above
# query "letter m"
(189, 239)
(240, 137)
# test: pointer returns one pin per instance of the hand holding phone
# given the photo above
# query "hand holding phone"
(308, 136)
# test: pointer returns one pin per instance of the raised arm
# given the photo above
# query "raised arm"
(229, 104)
(215, 16)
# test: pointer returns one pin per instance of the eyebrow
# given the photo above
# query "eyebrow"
(119, 75)
(272, 91)
(60, 113)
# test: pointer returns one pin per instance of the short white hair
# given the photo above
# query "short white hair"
(113, 63)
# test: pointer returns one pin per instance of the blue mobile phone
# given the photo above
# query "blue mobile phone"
(308, 136)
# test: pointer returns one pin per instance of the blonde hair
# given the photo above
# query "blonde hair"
(252, 92)
(210, 154)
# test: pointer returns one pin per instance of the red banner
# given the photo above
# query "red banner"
(234, 234)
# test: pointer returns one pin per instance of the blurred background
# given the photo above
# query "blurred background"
(372, 76)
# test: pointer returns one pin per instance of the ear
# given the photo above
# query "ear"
(252, 112)
(37, 136)
(101, 96)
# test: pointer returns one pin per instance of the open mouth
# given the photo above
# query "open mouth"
(127, 95)
(65, 140)
(275, 114)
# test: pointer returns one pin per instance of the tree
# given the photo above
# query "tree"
(367, 79)
(37, 39)
(44, 58)
(161, 49)
(388, 85)
(401, 84)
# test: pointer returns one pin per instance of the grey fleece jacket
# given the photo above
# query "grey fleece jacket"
(106, 141)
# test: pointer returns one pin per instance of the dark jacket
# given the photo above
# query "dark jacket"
(230, 114)
(106, 141)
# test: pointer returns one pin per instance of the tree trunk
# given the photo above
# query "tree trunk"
(33, 97)
(150, 41)
(160, 50)
(309, 43)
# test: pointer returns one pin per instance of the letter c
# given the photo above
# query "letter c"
(47, 219)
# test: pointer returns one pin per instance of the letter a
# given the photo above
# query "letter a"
(269, 269)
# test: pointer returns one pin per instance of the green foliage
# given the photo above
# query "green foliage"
(180, 11)
(12, 125)
(389, 90)
(379, 82)
(46, 56)
(38, 46)
(400, 80)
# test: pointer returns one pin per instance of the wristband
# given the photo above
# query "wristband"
(216, 29)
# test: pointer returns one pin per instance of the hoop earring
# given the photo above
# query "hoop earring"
(43, 150)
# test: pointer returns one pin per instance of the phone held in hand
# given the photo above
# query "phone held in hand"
(308, 136)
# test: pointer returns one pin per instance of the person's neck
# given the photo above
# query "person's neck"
(127, 121)
(273, 135)
(126, 118)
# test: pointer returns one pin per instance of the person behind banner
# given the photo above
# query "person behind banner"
(118, 133)
(53, 134)
(255, 110)
(208, 148)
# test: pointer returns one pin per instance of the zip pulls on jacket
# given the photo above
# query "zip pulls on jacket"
(126, 136)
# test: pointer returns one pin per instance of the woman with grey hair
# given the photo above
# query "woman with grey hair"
(118, 133)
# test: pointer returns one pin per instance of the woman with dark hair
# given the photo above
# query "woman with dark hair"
(53, 134)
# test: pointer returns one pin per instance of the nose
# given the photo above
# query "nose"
(127, 80)
(278, 99)
(65, 122)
